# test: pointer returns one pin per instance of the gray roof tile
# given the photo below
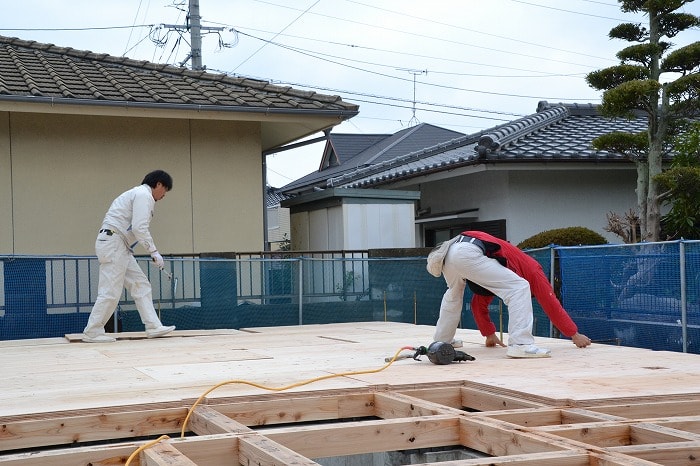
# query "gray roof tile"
(378, 150)
(31, 69)
(558, 132)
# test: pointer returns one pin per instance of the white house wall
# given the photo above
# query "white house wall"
(354, 226)
(484, 191)
(318, 229)
(336, 234)
(534, 200)
(277, 224)
(300, 231)
(378, 225)
(568, 198)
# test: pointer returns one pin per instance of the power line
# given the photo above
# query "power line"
(78, 29)
(337, 60)
(283, 29)
(440, 23)
(568, 11)
(398, 99)
(577, 53)
(442, 86)
(306, 51)
(614, 5)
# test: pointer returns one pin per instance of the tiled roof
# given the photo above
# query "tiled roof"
(386, 148)
(273, 197)
(347, 146)
(440, 157)
(33, 71)
(560, 132)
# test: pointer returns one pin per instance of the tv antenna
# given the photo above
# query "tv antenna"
(414, 121)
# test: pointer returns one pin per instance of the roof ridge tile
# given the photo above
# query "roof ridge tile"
(510, 132)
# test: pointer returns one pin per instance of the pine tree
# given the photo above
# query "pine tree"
(642, 83)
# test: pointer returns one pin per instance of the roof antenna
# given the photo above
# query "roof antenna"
(414, 121)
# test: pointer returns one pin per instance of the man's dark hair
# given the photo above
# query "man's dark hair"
(158, 176)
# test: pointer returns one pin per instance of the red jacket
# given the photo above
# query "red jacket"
(529, 269)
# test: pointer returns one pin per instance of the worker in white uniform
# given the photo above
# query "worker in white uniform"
(125, 225)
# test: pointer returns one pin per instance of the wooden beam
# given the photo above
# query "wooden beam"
(686, 423)
(445, 396)
(206, 421)
(210, 449)
(478, 399)
(559, 458)
(645, 432)
(261, 451)
(390, 405)
(650, 409)
(528, 417)
(164, 454)
(74, 428)
(609, 434)
(501, 439)
(295, 408)
(349, 438)
(95, 455)
(668, 454)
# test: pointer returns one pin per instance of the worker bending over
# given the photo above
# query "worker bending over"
(492, 266)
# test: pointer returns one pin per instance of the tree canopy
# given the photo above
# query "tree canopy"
(656, 81)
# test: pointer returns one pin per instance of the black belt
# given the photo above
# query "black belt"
(475, 241)
(109, 232)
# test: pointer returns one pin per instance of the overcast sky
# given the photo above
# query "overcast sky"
(465, 65)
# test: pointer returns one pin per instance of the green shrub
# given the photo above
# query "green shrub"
(571, 236)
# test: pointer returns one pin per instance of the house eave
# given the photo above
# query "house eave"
(439, 173)
(278, 126)
(42, 104)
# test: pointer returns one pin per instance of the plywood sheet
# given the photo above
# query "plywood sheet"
(81, 375)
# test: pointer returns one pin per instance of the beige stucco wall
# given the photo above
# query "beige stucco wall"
(64, 171)
(5, 185)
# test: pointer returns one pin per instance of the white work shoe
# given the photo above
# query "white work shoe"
(527, 351)
(457, 343)
(102, 338)
(159, 331)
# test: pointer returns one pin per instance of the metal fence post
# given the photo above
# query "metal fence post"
(552, 255)
(301, 291)
(684, 301)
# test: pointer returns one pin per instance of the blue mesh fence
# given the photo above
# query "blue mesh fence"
(644, 295)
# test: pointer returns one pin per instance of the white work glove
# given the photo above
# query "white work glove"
(158, 260)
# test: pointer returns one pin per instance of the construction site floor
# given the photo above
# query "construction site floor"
(295, 395)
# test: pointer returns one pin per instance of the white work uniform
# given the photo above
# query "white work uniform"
(128, 218)
(467, 261)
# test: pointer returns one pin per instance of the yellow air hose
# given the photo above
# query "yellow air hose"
(263, 387)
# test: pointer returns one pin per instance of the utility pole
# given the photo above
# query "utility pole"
(195, 28)
(196, 35)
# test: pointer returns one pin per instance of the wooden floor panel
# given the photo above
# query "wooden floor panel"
(57, 392)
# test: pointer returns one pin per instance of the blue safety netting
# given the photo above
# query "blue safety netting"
(645, 295)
